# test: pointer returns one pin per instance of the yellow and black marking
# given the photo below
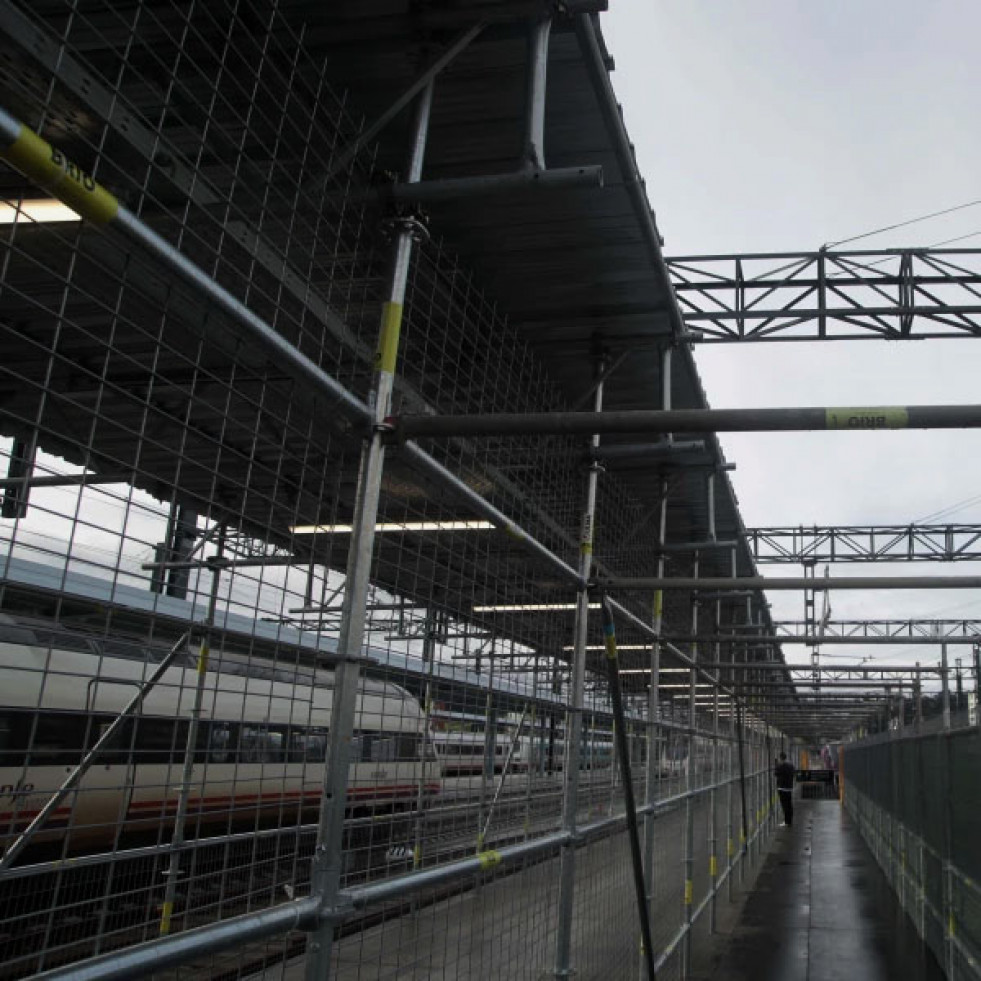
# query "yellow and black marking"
(489, 859)
(388, 337)
(867, 418)
(50, 169)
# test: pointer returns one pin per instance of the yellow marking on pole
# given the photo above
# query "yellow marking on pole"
(742, 837)
(611, 647)
(867, 418)
(165, 914)
(489, 859)
(689, 891)
(658, 603)
(950, 924)
(388, 338)
(49, 168)
(713, 866)
(513, 531)
(586, 548)
(203, 658)
(417, 856)
(730, 847)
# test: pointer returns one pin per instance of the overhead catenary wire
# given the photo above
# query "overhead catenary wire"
(902, 224)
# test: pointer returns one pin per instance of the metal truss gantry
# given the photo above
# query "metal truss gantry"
(893, 294)
(866, 543)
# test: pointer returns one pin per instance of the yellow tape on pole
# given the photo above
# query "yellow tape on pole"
(689, 891)
(489, 859)
(49, 168)
(869, 418)
(203, 658)
(388, 337)
(713, 866)
(165, 914)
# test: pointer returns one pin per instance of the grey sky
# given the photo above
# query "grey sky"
(775, 125)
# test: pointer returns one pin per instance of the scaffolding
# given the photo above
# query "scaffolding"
(288, 693)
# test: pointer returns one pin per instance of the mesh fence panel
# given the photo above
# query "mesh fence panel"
(193, 500)
(915, 799)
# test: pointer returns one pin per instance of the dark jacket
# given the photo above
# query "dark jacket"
(784, 772)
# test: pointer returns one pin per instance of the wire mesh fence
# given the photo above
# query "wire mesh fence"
(915, 800)
(182, 514)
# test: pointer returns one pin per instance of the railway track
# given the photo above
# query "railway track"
(75, 912)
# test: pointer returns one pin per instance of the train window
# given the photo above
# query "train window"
(383, 749)
(59, 738)
(410, 747)
(117, 750)
(308, 745)
(261, 744)
(161, 741)
(221, 744)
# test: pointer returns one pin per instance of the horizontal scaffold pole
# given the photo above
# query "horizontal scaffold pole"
(812, 668)
(691, 421)
(818, 585)
(820, 639)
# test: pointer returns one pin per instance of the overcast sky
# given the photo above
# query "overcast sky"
(777, 125)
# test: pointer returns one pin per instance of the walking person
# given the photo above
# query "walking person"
(784, 772)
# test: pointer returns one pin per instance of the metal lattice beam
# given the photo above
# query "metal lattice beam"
(894, 294)
(866, 543)
(927, 630)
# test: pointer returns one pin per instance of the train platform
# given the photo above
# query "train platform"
(822, 910)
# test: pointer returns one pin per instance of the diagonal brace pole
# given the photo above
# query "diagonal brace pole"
(609, 634)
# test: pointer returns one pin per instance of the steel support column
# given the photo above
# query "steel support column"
(689, 860)
(570, 803)
(328, 857)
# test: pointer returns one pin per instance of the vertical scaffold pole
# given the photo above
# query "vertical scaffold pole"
(713, 833)
(429, 662)
(730, 846)
(945, 686)
(187, 771)
(744, 829)
(977, 685)
(689, 894)
(613, 674)
(328, 855)
(918, 701)
(573, 728)
(653, 725)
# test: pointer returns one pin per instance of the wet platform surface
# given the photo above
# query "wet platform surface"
(822, 911)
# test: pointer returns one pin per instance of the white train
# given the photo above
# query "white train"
(464, 754)
(260, 746)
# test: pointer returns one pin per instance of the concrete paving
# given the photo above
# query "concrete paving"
(822, 911)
